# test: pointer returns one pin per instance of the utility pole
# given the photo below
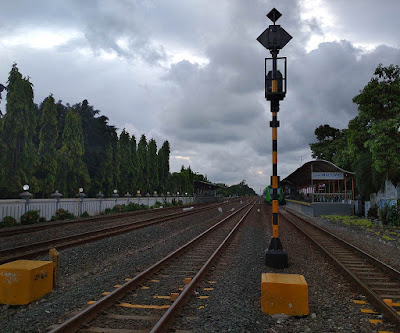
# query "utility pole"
(274, 38)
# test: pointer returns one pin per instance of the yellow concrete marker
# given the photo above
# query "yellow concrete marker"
(385, 332)
(376, 321)
(91, 302)
(284, 293)
(187, 280)
(106, 293)
(203, 297)
(154, 280)
(201, 307)
(208, 289)
(360, 302)
(23, 281)
(127, 280)
(54, 256)
(368, 311)
(174, 296)
(117, 286)
(396, 304)
(212, 281)
(161, 297)
(144, 287)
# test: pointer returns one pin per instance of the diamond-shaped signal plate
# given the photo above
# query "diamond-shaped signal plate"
(274, 37)
(274, 15)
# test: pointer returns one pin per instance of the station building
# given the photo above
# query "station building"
(204, 192)
(320, 187)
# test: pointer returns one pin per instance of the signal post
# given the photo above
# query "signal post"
(275, 38)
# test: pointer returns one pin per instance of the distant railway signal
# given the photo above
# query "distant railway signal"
(274, 38)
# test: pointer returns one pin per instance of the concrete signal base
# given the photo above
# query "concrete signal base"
(284, 293)
(23, 281)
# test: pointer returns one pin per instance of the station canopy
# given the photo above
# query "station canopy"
(302, 176)
(200, 185)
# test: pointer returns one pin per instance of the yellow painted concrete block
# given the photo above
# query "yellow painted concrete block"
(284, 293)
(23, 281)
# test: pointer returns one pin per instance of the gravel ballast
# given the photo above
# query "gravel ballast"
(233, 304)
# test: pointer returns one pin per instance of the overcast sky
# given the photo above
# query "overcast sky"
(191, 71)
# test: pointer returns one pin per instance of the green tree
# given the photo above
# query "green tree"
(18, 133)
(72, 169)
(47, 153)
(328, 139)
(126, 165)
(134, 180)
(142, 165)
(379, 111)
(152, 166)
(163, 166)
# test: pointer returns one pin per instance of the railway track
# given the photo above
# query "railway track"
(7, 232)
(34, 249)
(380, 282)
(152, 299)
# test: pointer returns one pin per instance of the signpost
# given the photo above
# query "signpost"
(274, 38)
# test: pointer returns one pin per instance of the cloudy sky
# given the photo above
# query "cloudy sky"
(191, 71)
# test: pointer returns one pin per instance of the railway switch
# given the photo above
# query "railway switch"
(23, 281)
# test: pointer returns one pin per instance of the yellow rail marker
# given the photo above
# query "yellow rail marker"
(174, 296)
(91, 302)
(207, 289)
(127, 280)
(360, 302)
(140, 306)
(187, 280)
(376, 321)
(395, 304)
(144, 287)
(106, 293)
(385, 332)
(117, 286)
(162, 297)
(368, 311)
(212, 281)
(203, 297)
(154, 280)
(388, 301)
(181, 289)
(201, 307)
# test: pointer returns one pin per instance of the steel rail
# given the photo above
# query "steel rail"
(82, 318)
(35, 249)
(391, 313)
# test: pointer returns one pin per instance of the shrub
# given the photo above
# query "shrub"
(107, 211)
(393, 216)
(30, 217)
(119, 208)
(373, 212)
(85, 214)
(383, 214)
(8, 221)
(62, 214)
(42, 219)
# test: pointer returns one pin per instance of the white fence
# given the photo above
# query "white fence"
(47, 207)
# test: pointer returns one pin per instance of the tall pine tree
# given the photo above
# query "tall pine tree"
(47, 153)
(142, 165)
(126, 165)
(163, 166)
(19, 129)
(152, 166)
(72, 170)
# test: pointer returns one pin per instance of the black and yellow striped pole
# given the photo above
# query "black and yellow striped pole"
(275, 38)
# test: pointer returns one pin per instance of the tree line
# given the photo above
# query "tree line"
(55, 146)
(370, 145)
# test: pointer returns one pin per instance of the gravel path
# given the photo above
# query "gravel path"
(89, 270)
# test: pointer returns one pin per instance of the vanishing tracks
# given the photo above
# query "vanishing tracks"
(32, 250)
(379, 281)
(152, 299)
